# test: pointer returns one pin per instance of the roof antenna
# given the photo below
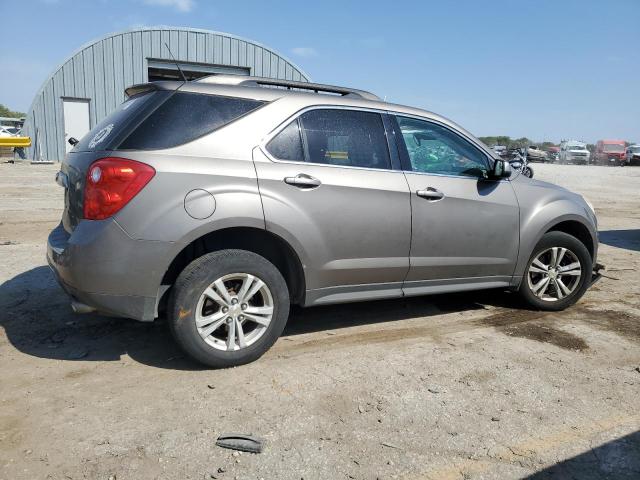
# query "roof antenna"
(184, 78)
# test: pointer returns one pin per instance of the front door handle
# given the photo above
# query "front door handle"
(302, 181)
(431, 194)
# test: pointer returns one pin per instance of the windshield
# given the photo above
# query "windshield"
(613, 147)
(635, 149)
(576, 147)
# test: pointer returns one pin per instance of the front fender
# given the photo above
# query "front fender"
(535, 225)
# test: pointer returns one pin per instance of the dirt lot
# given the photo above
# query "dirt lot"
(442, 387)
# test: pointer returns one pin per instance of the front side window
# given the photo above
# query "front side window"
(431, 148)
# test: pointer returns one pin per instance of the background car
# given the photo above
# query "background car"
(632, 154)
(7, 131)
(534, 154)
(574, 152)
(610, 152)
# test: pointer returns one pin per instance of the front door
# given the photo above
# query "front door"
(328, 188)
(465, 226)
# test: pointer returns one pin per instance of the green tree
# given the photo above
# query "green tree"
(6, 112)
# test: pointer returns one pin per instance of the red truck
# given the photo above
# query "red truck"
(609, 152)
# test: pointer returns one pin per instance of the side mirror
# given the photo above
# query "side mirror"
(501, 169)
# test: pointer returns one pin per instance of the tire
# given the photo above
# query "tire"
(576, 252)
(230, 269)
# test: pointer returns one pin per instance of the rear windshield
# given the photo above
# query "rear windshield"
(185, 117)
(613, 147)
(106, 134)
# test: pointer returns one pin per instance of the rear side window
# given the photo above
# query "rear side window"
(345, 137)
(287, 145)
(334, 137)
(185, 117)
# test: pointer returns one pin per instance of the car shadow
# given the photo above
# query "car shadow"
(628, 239)
(38, 321)
(615, 460)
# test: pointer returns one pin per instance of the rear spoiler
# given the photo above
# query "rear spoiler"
(148, 87)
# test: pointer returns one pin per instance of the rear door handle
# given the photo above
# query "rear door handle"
(303, 181)
(431, 194)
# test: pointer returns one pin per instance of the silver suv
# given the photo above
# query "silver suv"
(220, 202)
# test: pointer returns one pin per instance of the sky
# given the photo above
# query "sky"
(544, 69)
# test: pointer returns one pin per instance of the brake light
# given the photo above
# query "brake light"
(111, 183)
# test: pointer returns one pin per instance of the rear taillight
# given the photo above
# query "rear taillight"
(111, 183)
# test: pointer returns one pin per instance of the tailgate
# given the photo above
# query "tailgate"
(74, 173)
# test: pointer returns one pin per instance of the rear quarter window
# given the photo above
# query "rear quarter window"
(185, 117)
(109, 132)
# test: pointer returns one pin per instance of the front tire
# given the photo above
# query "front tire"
(228, 308)
(557, 274)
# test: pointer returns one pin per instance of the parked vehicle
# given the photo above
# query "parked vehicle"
(220, 202)
(574, 152)
(519, 162)
(6, 131)
(500, 150)
(553, 154)
(632, 154)
(610, 152)
(534, 154)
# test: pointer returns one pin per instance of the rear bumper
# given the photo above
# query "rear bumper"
(101, 266)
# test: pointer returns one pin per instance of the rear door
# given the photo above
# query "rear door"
(328, 187)
(465, 227)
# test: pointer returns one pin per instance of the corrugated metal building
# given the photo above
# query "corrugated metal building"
(91, 82)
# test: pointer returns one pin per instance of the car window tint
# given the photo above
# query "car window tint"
(104, 135)
(431, 148)
(185, 117)
(345, 137)
(287, 145)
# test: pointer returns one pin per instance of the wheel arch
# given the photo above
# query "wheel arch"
(259, 241)
(543, 222)
(578, 230)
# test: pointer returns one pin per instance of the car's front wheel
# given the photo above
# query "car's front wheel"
(228, 308)
(558, 273)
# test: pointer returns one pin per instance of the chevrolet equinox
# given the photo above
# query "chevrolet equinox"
(220, 202)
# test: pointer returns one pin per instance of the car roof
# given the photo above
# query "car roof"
(306, 94)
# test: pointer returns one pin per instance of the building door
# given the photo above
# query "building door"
(76, 119)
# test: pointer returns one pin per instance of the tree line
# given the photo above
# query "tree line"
(7, 112)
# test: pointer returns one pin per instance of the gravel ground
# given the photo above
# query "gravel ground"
(441, 387)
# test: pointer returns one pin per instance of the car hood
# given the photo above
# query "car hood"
(532, 182)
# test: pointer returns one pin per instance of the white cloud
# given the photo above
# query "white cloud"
(304, 51)
(179, 5)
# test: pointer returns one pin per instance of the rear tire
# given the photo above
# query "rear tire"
(557, 274)
(228, 308)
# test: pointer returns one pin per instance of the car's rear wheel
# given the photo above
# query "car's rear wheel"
(228, 308)
(558, 272)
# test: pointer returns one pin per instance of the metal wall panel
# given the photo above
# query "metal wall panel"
(101, 70)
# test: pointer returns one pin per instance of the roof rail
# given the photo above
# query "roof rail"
(244, 81)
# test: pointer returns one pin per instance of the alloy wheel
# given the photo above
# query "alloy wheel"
(234, 311)
(554, 274)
